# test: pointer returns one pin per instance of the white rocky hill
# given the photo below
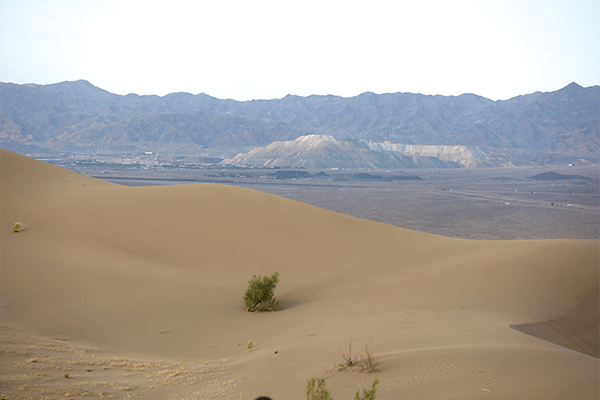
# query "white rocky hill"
(324, 151)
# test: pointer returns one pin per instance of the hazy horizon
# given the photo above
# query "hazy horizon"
(267, 50)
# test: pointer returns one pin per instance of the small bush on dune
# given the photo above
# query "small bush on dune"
(363, 363)
(315, 390)
(259, 295)
(368, 394)
(17, 226)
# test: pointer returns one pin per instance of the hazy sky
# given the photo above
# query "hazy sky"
(252, 49)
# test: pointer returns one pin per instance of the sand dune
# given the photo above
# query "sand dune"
(158, 273)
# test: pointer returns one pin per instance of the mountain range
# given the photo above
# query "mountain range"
(533, 128)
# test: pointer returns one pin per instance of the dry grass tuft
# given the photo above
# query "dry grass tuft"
(364, 362)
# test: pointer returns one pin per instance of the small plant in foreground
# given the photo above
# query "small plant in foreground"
(17, 226)
(368, 394)
(315, 390)
(250, 346)
(259, 295)
(319, 392)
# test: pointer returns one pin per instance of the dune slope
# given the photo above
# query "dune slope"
(159, 273)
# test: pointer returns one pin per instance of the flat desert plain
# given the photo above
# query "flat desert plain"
(111, 291)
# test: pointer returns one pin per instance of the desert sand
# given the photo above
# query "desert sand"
(136, 292)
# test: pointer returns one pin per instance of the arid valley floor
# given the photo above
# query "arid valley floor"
(471, 284)
(483, 203)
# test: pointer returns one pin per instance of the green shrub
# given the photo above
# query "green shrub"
(319, 392)
(315, 390)
(17, 226)
(259, 295)
(368, 394)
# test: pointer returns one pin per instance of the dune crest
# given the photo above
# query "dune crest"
(159, 273)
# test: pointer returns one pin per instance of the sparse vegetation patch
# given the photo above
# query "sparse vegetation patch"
(315, 390)
(364, 362)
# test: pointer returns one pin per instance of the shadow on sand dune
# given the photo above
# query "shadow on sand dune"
(578, 330)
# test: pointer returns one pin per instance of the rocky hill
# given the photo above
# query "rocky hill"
(75, 115)
(323, 151)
